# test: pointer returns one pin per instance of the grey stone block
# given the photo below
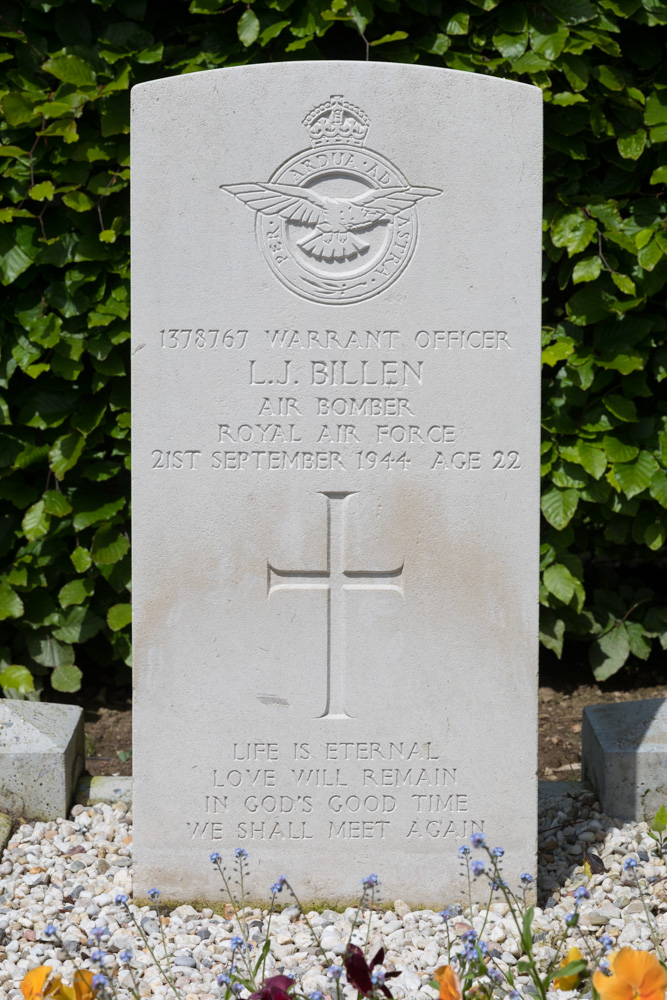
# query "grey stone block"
(41, 757)
(624, 756)
(104, 788)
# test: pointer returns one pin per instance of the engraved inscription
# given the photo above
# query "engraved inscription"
(335, 580)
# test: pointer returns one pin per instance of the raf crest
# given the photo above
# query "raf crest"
(336, 223)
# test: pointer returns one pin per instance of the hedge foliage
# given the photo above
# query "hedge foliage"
(67, 66)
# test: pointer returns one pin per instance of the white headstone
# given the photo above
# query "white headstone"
(336, 348)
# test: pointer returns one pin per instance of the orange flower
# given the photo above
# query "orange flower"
(636, 975)
(449, 982)
(34, 985)
(569, 982)
(82, 988)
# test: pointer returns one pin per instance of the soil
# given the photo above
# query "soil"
(108, 720)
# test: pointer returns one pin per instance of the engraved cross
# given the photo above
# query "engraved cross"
(335, 580)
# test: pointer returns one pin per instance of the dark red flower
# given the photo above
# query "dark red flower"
(274, 988)
(359, 973)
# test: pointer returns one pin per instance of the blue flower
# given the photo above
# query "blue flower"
(629, 864)
(581, 892)
(240, 852)
(445, 914)
(215, 856)
(607, 942)
(99, 932)
(99, 982)
(464, 852)
(237, 988)
(121, 898)
(513, 995)
(526, 878)
(236, 942)
(497, 852)
(125, 956)
(572, 919)
(97, 955)
(278, 885)
(469, 937)
(334, 971)
(494, 975)
(476, 867)
(605, 967)
(153, 894)
(316, 995)
(377, 977)
(223, 979)
(50, 929)
(478, 840)
(498, 883)
(369, 881)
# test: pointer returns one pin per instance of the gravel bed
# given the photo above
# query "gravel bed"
(69, 873)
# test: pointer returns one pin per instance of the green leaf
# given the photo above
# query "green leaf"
(571, 229)
(248, 27)
(609, 652)
(75, 592)
(559, 506)
(587, 269)
(631, 146)
(658, 487)
(593, 459)
(43, 191)
(659, 176)
(650, 255)
(109, 545)
(558, 351)
(81, 559)
(458, 24)
(656, 108)
(617, 450)
(79, 625)
(55, 503)
(71, 69)
(65, 453)
(609, 77)
(511, 46)
(47, 651)
(35, 522)
(118, 616)
(624, 283)
(552, 631)
(17, 678)
(655, 534)
(633, 477)
(659, 823)
(551, 45)
(395, 36)
(78, 201)
(559, 581)
(66, 678)
(11, 605)
(622, 408)
(90, 508)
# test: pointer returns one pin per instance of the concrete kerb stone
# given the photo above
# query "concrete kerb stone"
(624, 756)
(105, 788)
(5, 830)
(41, 757)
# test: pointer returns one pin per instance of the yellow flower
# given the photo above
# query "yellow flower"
(449, 982)
(569, 982)
(635, 975)
(35, 986)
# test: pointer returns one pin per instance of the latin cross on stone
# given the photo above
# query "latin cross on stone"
(336, 581)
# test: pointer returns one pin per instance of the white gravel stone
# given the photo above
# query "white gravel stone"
(70, 873)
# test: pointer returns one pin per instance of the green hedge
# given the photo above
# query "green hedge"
(67, 66)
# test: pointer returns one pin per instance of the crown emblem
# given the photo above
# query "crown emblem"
(337, 121)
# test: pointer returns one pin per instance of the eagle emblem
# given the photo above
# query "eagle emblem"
(336, 223)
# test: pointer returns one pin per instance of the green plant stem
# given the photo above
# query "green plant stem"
(168, 980)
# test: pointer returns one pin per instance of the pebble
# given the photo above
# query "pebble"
(70, 873)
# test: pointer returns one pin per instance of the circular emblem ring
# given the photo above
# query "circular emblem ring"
(353, 252)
